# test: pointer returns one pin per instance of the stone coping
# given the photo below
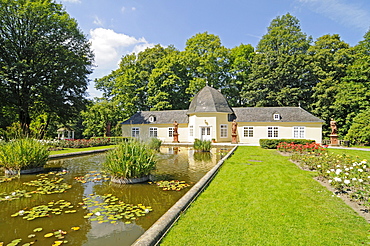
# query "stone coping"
(159, 229)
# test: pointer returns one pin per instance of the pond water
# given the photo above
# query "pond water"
(74, 203)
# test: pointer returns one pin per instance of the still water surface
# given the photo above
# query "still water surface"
(178, 163)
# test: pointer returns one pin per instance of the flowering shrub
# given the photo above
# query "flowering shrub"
(301, 148)
(345, 173)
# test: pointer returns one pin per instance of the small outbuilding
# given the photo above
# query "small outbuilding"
(65, 133)
(210, 117)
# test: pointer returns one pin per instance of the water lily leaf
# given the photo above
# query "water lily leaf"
(75, 228)
(37, 229)
(31, 236)
(49, 234)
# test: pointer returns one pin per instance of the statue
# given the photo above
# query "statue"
(175, 127)
(234, 127)
(333, 125)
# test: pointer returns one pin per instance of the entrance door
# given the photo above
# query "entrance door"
(206, 133)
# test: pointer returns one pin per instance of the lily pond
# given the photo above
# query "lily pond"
(74, 203)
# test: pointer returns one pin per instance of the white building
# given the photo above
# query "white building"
(209, 117)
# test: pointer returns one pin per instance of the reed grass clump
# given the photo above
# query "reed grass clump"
(132, 159)
(155, 144)
(23, 154)
(202, 145)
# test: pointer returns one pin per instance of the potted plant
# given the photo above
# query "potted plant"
(131, 162)
(23, 156)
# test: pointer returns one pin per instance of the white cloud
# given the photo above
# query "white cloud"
(133, 8)
(110, 46)
(123, 9)
(98, 21)
(344, 12)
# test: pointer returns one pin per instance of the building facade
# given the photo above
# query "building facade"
(209, 117)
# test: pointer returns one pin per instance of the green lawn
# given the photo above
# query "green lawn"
(261, 198)
(73, 150)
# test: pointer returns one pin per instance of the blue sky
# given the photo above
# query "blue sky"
(119, 27)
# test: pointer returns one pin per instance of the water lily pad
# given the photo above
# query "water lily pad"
(50, 234)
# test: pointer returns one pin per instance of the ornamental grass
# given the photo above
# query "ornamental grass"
(132, 159)
(23, 154)
(202, 145)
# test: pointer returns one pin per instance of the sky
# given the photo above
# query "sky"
(119, 27)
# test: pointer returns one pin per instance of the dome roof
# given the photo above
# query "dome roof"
(209, 99)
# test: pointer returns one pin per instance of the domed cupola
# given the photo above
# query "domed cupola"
(207, 100)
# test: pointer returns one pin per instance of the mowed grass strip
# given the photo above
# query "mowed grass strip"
(74, 150)
(260, 198)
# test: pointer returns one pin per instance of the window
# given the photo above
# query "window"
(191, 131)
(248, 131)
(276, 116)
(135, 132)
(153, 132)
(298, 132)
(272, 131)
(223, 131)
(152, 118)
(170, 132)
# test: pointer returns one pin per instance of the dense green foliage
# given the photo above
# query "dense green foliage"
(202, 145)
(287, 68)
(260, 198)
(44, 63)
(131, 159)
(23, 154)
(273, 143)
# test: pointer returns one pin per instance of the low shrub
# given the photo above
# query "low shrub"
(301, 148)
(202, 145)
(132, 159)
(273, 143)
(23, 154)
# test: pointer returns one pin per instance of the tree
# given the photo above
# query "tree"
(168, 83)
(207, 62)
(128, 85)
(44, 60)
(241, 63)
(330, 58)
(281, 68)
(354, 92)
(359, 132)
(100, 117)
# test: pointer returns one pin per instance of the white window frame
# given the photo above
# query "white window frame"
(248, 131)
(299, 132)
(135, 132)
(276, 116)
(153, 132)
(223, 131)
(272, 131)
(191, 131)
(170, 132)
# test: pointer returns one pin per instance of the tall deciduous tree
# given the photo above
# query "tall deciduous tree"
(281, 68)
(44, 59)
(168, 83)
(354, 92)
(208, 62)
(128, 85)
(331, 57)
(101, 117)
(241, 63)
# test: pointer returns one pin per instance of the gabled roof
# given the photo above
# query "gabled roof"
(207, 100)
(266, 114)
(161, 117)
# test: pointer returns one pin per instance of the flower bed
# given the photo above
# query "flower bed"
(347, 174)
